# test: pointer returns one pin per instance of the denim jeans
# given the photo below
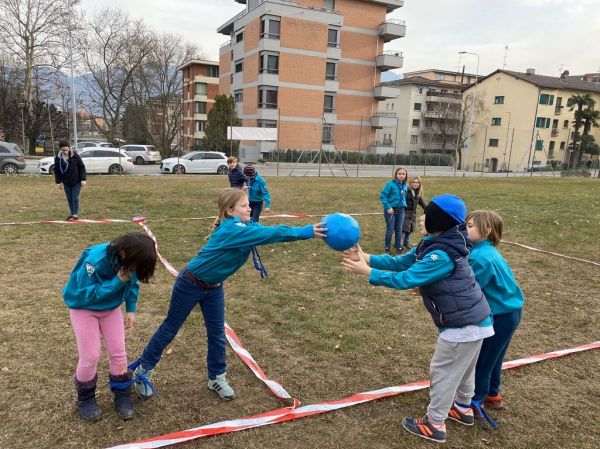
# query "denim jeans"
(72, 194)
(186, 295)
(489, 364)
(256, 207)
(406, 239)
(393, 224)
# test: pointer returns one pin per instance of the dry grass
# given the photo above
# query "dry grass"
(293, 321)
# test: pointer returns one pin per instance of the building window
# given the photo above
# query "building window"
(540, 122)
(238, 96)
(239, 37)
(269, 62)
(417, 107)
(200, 88)
(392, 106)
(327, 137)
(499, 100)
(539, 145)
(200, 107)
(266, 123)
(329, 102)
(213, 71)
(566, 124)
(562, 145)
(239, 66)
(269, 28)
(333, 38)
(329, 4)
(444, 91)
(496, 121)
(547, 99)
(414, 139)
(200, 126)
(419, 91)
(551, 145)
(439, 76)
(416, 122)
(330, 71)
(267, 97)
(493, 143)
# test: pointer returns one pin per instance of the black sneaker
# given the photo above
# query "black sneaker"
(421, 427)
(70, 218)
(464, 418)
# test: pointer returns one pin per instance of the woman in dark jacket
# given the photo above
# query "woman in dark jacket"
(69, 171)
(414, 197)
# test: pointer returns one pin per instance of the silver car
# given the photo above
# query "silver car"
(11, 158)
(142, 154)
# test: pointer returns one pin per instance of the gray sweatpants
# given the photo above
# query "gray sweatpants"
(452, 376)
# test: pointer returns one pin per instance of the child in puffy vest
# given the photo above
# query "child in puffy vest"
(439, 267)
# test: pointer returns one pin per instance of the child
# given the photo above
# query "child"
(439, 267)
(393, 198)
(234, 236)
(414, 197)
(236, 177)
(104, 277)
(505, 298)
(257, 192)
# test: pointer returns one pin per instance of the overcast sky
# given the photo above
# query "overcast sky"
(543, 34)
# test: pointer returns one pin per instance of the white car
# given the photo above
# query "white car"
(196, 162)
(96, 160)
(142, 154)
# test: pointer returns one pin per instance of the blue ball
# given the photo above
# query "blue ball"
(343, 231)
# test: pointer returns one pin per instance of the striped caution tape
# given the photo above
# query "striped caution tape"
(235, 343)
(531, 248)
(289, 414)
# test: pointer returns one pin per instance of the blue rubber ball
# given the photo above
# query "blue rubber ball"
(343, 231)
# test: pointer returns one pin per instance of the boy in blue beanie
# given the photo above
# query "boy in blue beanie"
(438, 266)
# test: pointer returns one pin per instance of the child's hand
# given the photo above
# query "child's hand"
(390, 211)
(356, 266)
(129, 320)
(267, 209)
(355, 253)
(124, 275)
(319, 230)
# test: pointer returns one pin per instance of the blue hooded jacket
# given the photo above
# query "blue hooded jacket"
(257, 190)
(393, 194)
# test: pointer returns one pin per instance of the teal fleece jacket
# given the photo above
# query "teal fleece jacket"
(393, 194)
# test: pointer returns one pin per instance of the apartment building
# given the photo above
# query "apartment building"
(200, 87)
(523, 120)
(311, 68)
(427, 106)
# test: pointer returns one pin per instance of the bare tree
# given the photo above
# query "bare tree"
(113, 50)
(465, 116)
(33, 32)
(158, 89)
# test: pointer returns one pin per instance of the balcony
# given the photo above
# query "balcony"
(390, 5)
(389, 60)
(554, 132)
(431, 130)
(384, 91)
(384, 120)
(392, 29)
(443, 97)
(381, 147)
(442, 115)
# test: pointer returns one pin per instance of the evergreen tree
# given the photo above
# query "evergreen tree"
(222, 115)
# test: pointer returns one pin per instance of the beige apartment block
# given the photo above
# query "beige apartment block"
(523, 120)
(426, 107)
(311, 68)
(200, 87)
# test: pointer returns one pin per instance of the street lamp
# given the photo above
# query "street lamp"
(22, 107)
(473, 97)
(506, 143)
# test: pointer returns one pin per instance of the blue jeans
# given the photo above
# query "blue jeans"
(256, 208)
(393, 224)
(186, 295)
(72, 194)
(489, 364)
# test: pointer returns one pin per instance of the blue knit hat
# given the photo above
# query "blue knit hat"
(443, 212)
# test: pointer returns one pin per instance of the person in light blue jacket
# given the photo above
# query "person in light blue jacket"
(200, 283)
(104, 277)
(505, 298)
(257, 192)
(393, 199)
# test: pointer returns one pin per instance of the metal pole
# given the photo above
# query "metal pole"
(72, 78)
(359, 142)
(510, 152)
(277, 143)
(506, 143)
(51, 132)
(484, 143)
(537, 106)
(395, 145)
(23, 126)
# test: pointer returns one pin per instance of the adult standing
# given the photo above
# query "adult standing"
(69, 172)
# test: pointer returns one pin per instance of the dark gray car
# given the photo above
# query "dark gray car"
(11, 158)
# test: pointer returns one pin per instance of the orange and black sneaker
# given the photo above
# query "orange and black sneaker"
(462, 414)
(494, 402)
(424, 428)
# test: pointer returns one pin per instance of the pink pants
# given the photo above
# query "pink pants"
(88, 326)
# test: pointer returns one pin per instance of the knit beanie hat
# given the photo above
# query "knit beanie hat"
(249, 170)
(444, 212)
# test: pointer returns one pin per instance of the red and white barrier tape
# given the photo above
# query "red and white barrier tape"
(531, 248)
(235, 343)
(288, 414)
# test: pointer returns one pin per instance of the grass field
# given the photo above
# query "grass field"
(322, 333)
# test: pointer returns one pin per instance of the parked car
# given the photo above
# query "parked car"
(196, 162)
(11, 158)
(142, 154)
(96, 160)
(82, 145)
